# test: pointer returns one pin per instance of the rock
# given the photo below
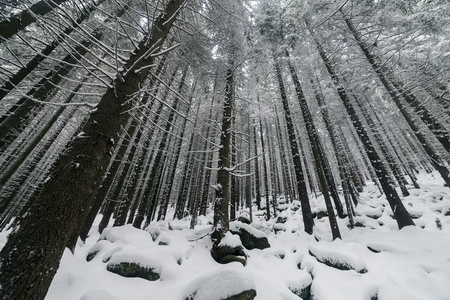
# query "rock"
(231, 258)
(281, 200)
(243, 220)
(91, 255)
(251, 238)
(224, 254)
(300, 285)
(245, 295)
(281, 219)
(304, 293)
(322, 214)
(373, 216)
(338, 256)
(283, 207)
(126, 269)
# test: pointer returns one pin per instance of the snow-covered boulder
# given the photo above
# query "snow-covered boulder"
(251, 238)
(337, 255)
(301, 285)
(127, 234)
(98, 295)
(147, 263)
(228, 250)
(244, 217)
(232, 282)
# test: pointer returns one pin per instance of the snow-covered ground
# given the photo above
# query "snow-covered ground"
(382, 261)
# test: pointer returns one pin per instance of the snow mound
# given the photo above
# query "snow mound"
(98, 295)
(164, 262)
(127, 235)
(220, 284)
(230, 240)
(236, 226)
(338, 255)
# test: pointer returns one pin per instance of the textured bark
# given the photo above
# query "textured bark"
(272, 172)
(284, 165)
(169, 181)
(31, 256)
(222, 198)
(383, 148)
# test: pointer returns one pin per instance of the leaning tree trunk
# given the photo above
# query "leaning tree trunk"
(301, 185)
(17, 22)
(394, 90)
(150, 200)
(314, 142)
(400, 213)
(45, 86)
(14, 80)
(30, 258)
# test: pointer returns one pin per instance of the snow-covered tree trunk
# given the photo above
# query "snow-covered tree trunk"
(222, 198)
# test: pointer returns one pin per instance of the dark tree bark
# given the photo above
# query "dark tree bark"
(222, 198)
(265, 176)
(272, 171)
(314, 142)
(301, 185)
(284, 165)
(400, 213)
(30, 258)
(46, 86)
(383, 148)
(257, 182)
(17, 22)
(112, 170)
(149, 202)
(169, 181)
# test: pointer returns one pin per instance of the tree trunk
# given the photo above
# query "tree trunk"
(266, 179)
(11, 83)
(394, 90)
(31, 256)
(301, 185)
(257, 183)
(221, 216)
(17, 22)
(314, 142)
(400, 213)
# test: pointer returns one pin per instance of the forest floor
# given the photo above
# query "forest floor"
(382, 261)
